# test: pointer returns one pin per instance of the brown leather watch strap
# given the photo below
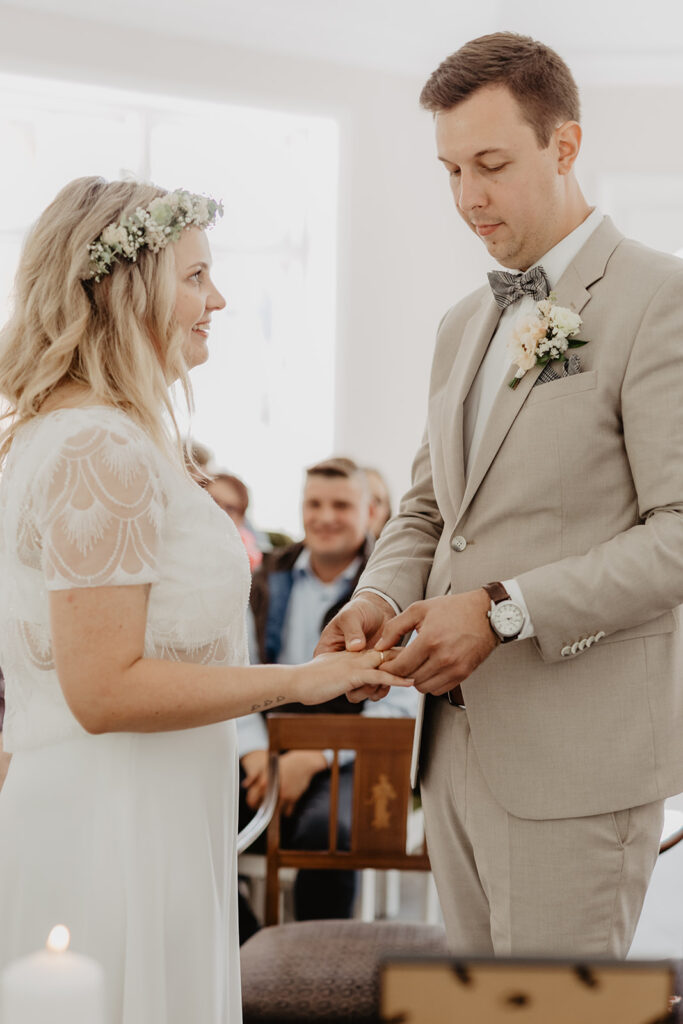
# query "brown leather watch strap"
(496, 592)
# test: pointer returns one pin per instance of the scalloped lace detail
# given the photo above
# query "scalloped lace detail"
(101, 515)
(88, 500)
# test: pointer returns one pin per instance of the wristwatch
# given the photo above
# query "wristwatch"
(505, 617)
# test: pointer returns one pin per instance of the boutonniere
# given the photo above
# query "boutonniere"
(541, 336)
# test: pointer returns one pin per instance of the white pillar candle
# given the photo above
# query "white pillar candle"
(53, 986)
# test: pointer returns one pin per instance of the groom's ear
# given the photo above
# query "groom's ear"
(567, 141)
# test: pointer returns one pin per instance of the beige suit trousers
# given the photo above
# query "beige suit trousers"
(519, 887)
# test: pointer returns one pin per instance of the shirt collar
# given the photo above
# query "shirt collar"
(302, 567)
(556, 261)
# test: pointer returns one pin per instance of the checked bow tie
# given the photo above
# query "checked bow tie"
(508, 288)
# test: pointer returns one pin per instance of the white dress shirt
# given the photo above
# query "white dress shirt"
(495, 368)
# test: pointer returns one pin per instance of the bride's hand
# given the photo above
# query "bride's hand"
(357, 675)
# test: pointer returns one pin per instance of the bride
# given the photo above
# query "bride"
(122, 614)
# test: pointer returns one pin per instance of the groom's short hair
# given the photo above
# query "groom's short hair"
(536, 76)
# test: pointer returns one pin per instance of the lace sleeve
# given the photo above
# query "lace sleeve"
(99, 509)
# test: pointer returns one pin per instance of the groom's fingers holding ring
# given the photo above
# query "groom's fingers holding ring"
(406, 661)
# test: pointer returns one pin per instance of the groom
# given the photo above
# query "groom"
(539, 550)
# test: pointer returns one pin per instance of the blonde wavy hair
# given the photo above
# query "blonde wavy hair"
(117, 337)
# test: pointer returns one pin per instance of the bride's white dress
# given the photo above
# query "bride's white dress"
(127, 838)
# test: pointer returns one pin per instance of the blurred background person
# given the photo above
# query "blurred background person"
(231, 494)
(294, 594)
(380, 500)
(197, 460)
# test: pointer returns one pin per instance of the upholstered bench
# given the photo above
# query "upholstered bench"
(325, 972)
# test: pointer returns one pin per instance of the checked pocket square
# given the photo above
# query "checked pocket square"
(569, 367)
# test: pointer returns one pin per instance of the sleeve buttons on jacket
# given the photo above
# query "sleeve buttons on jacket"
(582, 644)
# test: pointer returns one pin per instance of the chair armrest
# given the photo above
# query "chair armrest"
(261, 820)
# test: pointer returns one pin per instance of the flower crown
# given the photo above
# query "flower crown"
(162, 222)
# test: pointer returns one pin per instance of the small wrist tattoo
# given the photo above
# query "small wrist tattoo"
(267, 703)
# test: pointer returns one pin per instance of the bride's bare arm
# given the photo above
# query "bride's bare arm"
(98, 642)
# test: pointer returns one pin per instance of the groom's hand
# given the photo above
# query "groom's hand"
(453, 637)
(357, 626)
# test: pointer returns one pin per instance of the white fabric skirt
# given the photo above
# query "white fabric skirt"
(129, 840)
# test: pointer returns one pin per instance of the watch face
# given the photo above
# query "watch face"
(507, 618)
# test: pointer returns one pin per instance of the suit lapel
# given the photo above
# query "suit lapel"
(472, 349)
(572, 291)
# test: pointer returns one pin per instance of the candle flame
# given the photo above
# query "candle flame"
(58, 939)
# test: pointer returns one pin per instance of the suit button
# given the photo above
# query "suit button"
(565, 652)
(458, 543)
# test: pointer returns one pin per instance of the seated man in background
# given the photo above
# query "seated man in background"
(295, 593)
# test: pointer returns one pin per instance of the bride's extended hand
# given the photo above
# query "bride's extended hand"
(357, 675)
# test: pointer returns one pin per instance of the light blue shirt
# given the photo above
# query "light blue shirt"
(309, 600)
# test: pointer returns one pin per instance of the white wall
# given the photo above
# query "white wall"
(403, 257)
(633, 159)
(397, 260)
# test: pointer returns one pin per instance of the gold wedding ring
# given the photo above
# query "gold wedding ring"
(381, 658)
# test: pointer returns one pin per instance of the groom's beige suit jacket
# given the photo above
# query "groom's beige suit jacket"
(576, 491)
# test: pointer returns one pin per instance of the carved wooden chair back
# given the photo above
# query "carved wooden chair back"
(382, 799)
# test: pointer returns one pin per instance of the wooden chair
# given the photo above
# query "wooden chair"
(381, 796)
(324, 971)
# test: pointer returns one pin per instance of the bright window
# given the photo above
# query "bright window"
(265, 401)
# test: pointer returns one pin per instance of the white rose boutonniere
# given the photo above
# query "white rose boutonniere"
(541, 336)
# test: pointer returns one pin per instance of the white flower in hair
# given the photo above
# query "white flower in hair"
(161, 212)
(155, 236)
(114, 235)
(202, 209)
(163, 222)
